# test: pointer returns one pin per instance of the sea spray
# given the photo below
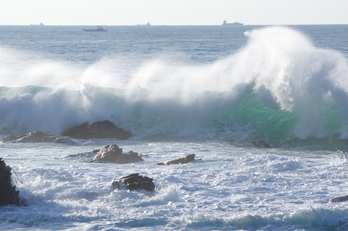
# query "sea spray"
(302, 79)
(22, 68)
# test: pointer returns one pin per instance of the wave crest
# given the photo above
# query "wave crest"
(278, 87)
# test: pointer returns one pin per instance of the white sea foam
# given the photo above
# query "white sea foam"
(231, 186)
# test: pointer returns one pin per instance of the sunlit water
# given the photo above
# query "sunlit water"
(210, 91)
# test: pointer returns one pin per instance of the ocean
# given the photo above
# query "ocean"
(204, 90)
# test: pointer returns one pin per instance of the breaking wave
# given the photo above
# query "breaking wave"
(278, 87)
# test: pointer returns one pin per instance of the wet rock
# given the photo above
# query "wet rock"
(184, 160)
(97, 130)
(134, 182)
(339, 199)
(261, 143)
(37, 137)
(110, 154)
(8, 193)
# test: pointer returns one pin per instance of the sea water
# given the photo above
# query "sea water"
(207, 90)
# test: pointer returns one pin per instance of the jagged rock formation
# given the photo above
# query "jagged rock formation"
(8, 193)
(261, 143)
(111, 154)
(134, 182)
(97, 130)
(37, 137)
(183, 160)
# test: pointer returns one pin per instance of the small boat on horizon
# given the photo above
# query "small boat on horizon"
(147, 24)
(232, 24)
(41, 24)
(97, 29)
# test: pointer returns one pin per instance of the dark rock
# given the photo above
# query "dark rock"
(183, 160)
(37, 137)
(8, 193)
(339, 199)
(110, 154)
(261, 143)
(134, 182)
(97, 130)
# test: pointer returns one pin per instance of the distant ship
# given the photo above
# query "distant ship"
(97, 29)
(41, 24)
(147, 24)
(232, 24)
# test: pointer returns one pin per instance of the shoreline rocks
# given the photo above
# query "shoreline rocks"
(97, 130)
(38, 137)
(8, 193)
(134, 182)
(184, 160)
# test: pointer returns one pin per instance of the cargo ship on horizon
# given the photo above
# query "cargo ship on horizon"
(232, 24)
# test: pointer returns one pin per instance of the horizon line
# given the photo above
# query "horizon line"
(144, 25)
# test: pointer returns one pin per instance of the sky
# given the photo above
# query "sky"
(172, 12)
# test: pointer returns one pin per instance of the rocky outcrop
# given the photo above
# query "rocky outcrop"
(184, 160)
(8, 193)
(37, 137)
(97, 130)
(261, 143)
(134, 182)
(110, 154)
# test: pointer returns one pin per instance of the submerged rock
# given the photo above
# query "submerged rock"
(8, 193)
(85, 154)
(37, 137)
(183, 160)
(134, 182)
(110, 154)
(339, 199)
(97, 130)
(261, 143)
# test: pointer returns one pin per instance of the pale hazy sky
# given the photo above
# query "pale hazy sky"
(172, 12)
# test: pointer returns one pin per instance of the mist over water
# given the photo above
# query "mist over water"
(277, 87)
